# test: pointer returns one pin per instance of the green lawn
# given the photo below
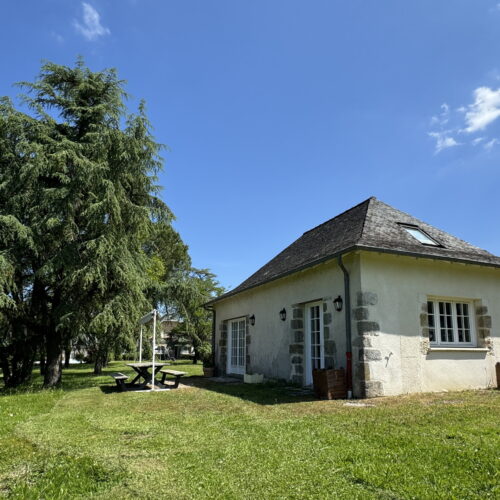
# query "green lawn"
(238, 441)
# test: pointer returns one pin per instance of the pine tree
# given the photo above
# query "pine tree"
(78, 205)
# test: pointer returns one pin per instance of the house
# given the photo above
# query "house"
(172, 343)
(402, 306)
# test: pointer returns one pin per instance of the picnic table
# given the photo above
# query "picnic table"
(143, 371)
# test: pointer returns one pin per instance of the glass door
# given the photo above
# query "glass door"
(315, 355)
(236, 358)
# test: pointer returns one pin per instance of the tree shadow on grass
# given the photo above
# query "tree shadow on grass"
(263, 394)
(74, 378)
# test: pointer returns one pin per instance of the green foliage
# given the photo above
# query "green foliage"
(86, 244)
(197, 287)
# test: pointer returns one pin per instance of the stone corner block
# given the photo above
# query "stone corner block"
(373, 389)
(367, 298)
(368, 327)
(361, 313)
(296, 349)
(367, 354)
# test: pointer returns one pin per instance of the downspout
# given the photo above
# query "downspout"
(213, 335)
(348, 341)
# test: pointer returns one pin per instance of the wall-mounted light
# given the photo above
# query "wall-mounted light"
(283, 314)
(338, 303)
(252, 319)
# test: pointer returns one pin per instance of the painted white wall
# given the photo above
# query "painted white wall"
(402, 285)
(271, 337)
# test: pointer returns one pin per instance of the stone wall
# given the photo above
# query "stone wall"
(484, 326)
(365, 346)
(296, 349)
(298, 330)
(222, 363)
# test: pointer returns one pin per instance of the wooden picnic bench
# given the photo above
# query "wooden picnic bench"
(173, 373)
(120, 379)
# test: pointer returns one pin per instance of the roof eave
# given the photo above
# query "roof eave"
(348, 250)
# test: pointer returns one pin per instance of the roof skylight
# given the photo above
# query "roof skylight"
(419, 235)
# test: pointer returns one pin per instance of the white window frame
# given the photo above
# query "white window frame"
(307, 331)
(438, 342)
(236, 369)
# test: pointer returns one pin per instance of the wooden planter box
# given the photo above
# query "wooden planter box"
(208, 371)
(330, 384)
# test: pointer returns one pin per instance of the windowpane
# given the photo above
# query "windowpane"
(445, 322)
(315, 336)
(420, 236)
(452, 320)
(463, 323)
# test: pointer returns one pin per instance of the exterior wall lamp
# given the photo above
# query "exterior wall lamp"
(252, 319)
(338, 303)
(283, 314)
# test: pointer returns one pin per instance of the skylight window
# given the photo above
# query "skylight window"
(419, 235)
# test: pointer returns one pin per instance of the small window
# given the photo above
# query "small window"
(419, 235)
(451, 323)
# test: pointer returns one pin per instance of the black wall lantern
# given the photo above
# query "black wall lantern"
(252, 319)
(283, 314)
(338, 303)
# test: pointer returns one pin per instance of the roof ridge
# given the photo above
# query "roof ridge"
(342, 213)
(370, 200)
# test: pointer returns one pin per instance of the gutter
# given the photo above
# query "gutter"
(351, 249)
(348, 333)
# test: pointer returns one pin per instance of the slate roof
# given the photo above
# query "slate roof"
(371, 225)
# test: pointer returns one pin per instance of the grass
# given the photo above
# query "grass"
(238, 441)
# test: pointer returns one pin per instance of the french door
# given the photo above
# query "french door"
(236, 347)
(315, 352)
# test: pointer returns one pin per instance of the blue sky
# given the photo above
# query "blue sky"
(280, 114)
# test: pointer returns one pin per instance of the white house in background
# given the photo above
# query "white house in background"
(419, 308)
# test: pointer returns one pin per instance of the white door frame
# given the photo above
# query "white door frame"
(307, 333)
(238, 369)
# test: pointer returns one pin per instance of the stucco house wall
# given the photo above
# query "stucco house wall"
(275, 348)
(397, 357)
(403, 273)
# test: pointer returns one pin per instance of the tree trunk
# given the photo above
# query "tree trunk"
(43, 365)
(18, 357)
(4, 364)
(67, 355)
(101, 360)
(43, 360)
(53, 369)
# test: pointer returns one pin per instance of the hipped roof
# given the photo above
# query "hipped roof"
(371, 225)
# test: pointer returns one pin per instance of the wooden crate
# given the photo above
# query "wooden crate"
(330, 383)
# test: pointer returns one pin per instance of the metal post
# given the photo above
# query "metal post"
(154, 348)
(140, 346)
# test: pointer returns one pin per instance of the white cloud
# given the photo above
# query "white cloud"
(489, 145)
(91, 27)
(57, 37)
(477, 140)
(484, 110)
(443, 118)
(443, 140)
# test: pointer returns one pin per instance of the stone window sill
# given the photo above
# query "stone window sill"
(459, 349)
